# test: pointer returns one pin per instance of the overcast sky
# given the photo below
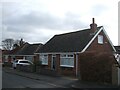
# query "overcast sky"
(36, 21)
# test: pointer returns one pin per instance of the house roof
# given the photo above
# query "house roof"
(10, 52)
(68, 42)
(28, 49)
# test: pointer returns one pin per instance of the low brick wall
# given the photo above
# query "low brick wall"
(67, 71)
(46, 71)
(27, 68)
(7, 64)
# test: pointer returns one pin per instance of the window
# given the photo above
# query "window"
(6, 57)
(29, 58)
(100, 39)
(44, 59)
(67, 60)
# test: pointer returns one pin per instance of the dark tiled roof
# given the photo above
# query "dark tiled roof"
(28, 49)
(68, 42)
(117, 49)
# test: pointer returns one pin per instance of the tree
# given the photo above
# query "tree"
(18, 43)
(7, 44)
(10, 44)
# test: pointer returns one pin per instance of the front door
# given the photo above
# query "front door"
(53, 63)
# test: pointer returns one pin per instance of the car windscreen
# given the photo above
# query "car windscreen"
(23, 62)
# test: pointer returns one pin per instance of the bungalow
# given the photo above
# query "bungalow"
(27, 52)
(62, 52)
(8, 55)
(24, 51)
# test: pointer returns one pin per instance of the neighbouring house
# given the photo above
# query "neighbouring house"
(61, 54)
(117, 53)
(27, 52)
(8, 55)
(117, 56)
(24, 51)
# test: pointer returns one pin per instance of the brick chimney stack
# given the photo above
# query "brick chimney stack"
(93, 26)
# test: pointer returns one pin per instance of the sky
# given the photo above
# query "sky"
(37, 21)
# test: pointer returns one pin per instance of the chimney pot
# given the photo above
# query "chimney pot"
(93, 20)
(93, 26)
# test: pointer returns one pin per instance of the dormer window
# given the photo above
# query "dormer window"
(100, 39)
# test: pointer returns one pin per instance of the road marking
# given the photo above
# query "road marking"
(56, 85)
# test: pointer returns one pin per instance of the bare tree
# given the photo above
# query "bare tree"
(7, 44)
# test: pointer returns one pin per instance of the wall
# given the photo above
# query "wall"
(114, 75)
(105, 47)
(68, 71)
(118, 76)
(96, 67)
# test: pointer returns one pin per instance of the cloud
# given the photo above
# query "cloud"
(42, 19)
(32, 24)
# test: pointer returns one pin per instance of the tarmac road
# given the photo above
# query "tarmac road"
(15, 81)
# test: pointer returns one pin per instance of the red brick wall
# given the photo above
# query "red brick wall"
(68, 71)
(19, 57)
(49, 61)
(58, 63)
(36, 57)
(105, 47)
(96, 67)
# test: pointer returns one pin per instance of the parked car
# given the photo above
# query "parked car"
(21, 62)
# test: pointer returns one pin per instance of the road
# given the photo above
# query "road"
(15, 81)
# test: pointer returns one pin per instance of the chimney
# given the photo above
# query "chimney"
(93, 26)
(21, 42)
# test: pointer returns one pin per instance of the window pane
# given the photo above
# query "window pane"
(100, 39)
(29, 58)
(44, 59)
(67, 61)
(70, 55)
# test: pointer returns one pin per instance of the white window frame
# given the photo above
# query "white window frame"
(100, 39)
(44, 59)
(65, 58)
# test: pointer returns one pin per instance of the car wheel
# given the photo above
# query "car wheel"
(14, 67)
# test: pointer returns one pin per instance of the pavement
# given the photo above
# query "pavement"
(62, 81)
